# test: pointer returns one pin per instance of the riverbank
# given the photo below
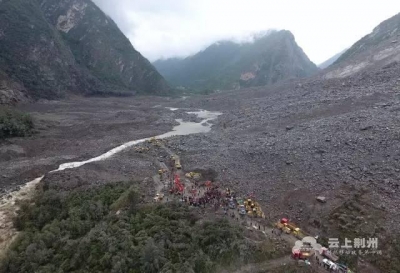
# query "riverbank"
(10, 202)
(78, 129)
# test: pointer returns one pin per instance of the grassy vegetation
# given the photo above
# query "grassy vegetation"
(108, 229)
(14, 123)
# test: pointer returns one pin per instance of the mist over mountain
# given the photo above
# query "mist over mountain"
(331, 60)
(270, 58)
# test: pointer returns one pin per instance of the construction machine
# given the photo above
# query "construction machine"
(300, 254)
(258, 212)
(253, 208)
(178, 164)
(161, 172)
(193, 175)
(155, 141)
(289, 228)
(282, 227)
(159, 197)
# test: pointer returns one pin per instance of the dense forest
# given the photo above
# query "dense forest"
(110, 229)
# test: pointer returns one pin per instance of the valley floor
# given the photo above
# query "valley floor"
(78, 129)
(288, 144)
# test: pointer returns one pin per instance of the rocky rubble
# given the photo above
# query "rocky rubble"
(76, 130)
(10, 91)
(293, 142)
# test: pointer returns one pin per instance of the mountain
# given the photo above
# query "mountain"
(331, 60)
(228, 65)
(49, 48)
(373, 52)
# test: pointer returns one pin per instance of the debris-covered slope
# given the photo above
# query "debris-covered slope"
(32, 52)
(331, 60)
(99, 46)
(376, 50)
(49, 48)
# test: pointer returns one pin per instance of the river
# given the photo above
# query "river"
(8, 205)
(184, 128)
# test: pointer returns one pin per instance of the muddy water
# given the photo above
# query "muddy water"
(184, 128)
(8, 206)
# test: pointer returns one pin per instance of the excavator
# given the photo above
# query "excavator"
(193, 175)
(178, 165)
(253, 208)
(155, 141)
(161, 172)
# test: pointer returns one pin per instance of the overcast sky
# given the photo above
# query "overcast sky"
(168, 28)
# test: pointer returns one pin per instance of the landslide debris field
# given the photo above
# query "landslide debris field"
(337, 138)
(293, 142)
(74, 130)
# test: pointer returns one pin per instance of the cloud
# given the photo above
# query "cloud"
(168, 28)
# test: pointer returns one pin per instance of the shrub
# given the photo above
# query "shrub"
(14, 123)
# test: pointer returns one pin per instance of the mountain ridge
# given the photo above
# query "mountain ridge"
(68, 47)
(231, 65)
(332, 59)
(374, 51)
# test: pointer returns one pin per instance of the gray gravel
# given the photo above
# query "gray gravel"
(294, 142)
